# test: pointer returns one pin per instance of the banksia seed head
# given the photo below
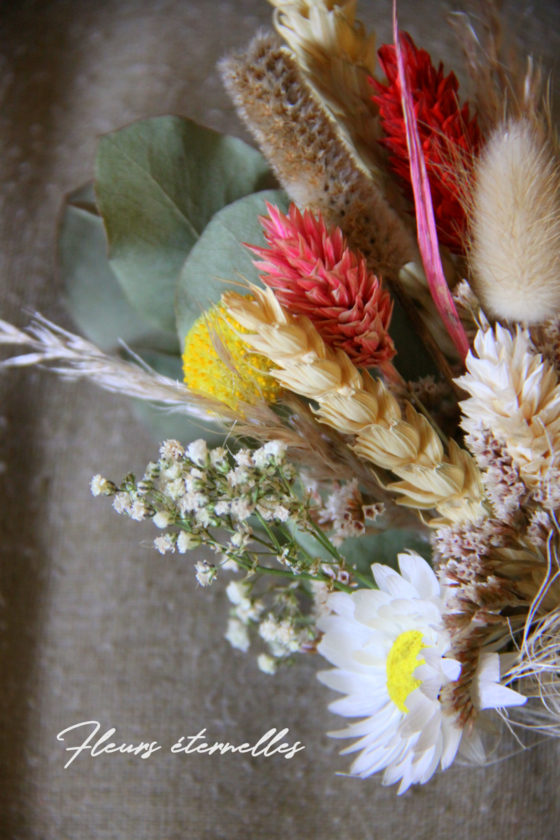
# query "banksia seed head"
(448, 133)
(313, 272)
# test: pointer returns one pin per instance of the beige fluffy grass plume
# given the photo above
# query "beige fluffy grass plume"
(356, 404)
(515, 251)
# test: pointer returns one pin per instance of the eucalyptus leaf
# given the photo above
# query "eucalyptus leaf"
(92, 293)
(361, 552)
(219, 257)
(164, 424)
(158, 184)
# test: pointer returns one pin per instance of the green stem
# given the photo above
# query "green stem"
(301, 575)
(363, 579)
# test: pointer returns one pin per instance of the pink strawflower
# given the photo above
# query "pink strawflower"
(313, 272)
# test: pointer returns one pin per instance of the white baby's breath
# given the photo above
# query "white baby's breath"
(266, 663)
(237, 635)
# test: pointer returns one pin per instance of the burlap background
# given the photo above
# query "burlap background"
(94, 624)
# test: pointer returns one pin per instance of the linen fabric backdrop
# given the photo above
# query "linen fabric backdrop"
(95, 625)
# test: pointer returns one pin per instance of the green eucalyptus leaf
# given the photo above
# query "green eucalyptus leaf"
(361, 552)
(163, 423)
(219, 257)
(92, 293)
(158, 184)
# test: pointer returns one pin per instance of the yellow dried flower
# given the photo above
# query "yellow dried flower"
(218, 363)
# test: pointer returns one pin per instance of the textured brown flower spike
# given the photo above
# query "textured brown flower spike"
(515, 228)
(312, 161)
(337, 57)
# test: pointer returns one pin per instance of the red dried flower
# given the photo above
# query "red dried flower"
(447, 132)
(313, 272)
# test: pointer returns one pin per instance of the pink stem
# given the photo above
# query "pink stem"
(425, 221)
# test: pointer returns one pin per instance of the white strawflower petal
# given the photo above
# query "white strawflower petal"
(341, 603)
(451, 668)
(417, 572)
(346, 682)
(389, 581)
(452, 741)
(488, 692)
(489, 668)
(389, 651)
(496, 696)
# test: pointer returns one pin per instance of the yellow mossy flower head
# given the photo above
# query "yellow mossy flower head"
(218, 363)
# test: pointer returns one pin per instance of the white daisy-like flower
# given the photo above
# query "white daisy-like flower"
(392, 656)
(390, 649)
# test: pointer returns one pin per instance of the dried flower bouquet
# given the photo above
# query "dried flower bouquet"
(366, 319)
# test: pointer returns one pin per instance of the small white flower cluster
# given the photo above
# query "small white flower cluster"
(244, 610)
(127, 499)
(282, 634)
(195, 490)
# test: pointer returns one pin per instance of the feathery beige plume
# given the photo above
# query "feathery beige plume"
(73, 358)
(515, 226)
(354, 403)
(337, 56)
(516, 396)
(311, 159)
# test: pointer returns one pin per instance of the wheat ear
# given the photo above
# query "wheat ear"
(354, 403)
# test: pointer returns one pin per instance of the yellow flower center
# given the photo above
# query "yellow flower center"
(401, 663)
(218, 363)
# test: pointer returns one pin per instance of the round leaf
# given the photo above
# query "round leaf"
(92, 293)
(158, 184)
(220, 258)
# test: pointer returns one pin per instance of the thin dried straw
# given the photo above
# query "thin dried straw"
(74, 358)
